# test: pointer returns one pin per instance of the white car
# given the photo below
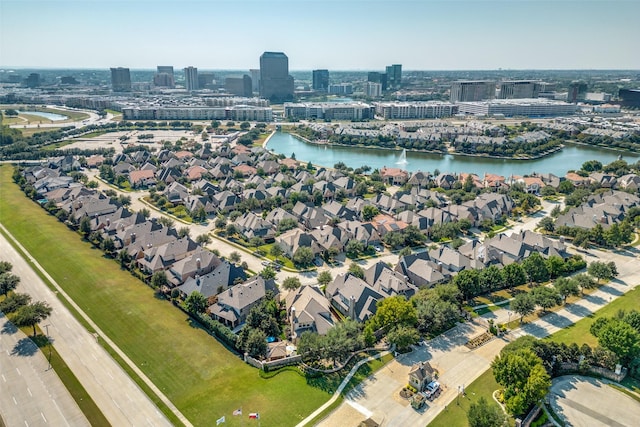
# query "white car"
(433, 388)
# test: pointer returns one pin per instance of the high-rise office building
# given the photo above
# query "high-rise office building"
(255, 80)
(240, 86)
(206, 79)
(577, 91)
(167, 69)
(394, 76)
(472, 90)
(519, 89)
(275, 82)
(120, 79)
(629, 97)
(376, 77)
(373, 90)
(191, 78)
(320, 80)
(33, 80)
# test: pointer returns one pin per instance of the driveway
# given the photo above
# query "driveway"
(589, 402)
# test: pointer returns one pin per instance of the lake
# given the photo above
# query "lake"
(571, 157)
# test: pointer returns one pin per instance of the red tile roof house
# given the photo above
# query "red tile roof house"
(183, 154)
(142, 178)
(245, 170)
(394, 176)
(194, 173)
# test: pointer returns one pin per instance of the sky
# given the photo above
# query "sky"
(333, 34)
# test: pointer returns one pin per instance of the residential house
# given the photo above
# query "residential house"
(290, 241)
(142, 178)
(394, 176)
(234, 304)
(421, 271)
(308, 310)
(209, 276)
(251, 225)
(353, 297)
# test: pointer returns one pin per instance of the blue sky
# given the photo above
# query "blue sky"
(333, 34)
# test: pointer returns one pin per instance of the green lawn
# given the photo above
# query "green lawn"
(579, 332)
(455, 415)
(203, 379)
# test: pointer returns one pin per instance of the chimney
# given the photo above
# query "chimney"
(352, 307)
(293, 313)
(230, 292)
(439, 266)
(198, 264)
(108, 222)
(133, 237)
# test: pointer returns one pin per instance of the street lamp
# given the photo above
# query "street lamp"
(458, 397)
(49, 345)
(509, 321)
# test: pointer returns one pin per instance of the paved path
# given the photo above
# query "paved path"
(30, 393)
(573, 398)
(119, 398)
(378, 395)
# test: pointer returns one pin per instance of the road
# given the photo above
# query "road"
(574, 399)
(31, 394)
(119, 398)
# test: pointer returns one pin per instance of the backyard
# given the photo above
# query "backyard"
(201, 377)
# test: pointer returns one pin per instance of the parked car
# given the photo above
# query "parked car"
(266, 263)
(433, 390)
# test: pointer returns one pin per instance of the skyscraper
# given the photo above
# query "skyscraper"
(255, 80)
(472, 90)
(376, 77)
(120, 79)
(191, 78)
(275, 82)
(168, 69)
(240, 86)
(206, 79)
(320, 80)
(577, 91)
(394, 76)
(516, 89)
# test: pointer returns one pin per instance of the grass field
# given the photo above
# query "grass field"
(203, 379)
(579, 332)
(455, 415)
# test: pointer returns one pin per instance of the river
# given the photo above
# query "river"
(49, 116)
(571, 157)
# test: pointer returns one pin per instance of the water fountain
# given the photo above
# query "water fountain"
(403, 158)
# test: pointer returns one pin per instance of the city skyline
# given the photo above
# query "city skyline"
(420, 35)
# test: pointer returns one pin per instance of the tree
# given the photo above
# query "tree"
(324, 277)
(354, 248)
(291, 283)
(523, 377)
(620, 338)
(235, 257)
(394, 311)
(403, 337)
(566, 287)
(32, 314)
(268, 273)
(107, 245)
(600, 270)
(8, 282)
(85, 226)
(303, 256)
(523, 305)
(514, 275)
(203, 239)
(546, 297)
(166, 221)
(356, 270)
(14, 302)
(196, 303)
(556, 266)
(159, 279)
(256, 241)
(485, 414)
(245, 125)
(467, 283)
(491, 278)
(256, 344)
(585, 282)
(5, 266)
(536, 268)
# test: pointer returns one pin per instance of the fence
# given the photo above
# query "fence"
(595, 370)
(265, 366)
